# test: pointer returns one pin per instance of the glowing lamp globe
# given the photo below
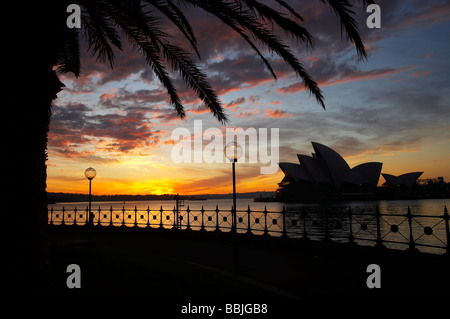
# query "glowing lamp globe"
(233, 151)
(90, 173)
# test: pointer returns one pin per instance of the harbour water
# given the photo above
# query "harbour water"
(418, 207)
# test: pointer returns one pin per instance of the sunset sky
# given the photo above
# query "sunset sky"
(393, 108)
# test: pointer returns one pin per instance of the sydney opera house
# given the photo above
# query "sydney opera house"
(326, 175)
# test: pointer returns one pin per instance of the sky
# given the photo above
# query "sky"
(392, 108)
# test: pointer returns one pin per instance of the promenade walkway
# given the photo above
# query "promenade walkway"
(201, 265)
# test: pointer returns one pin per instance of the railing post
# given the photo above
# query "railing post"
(135, 217)
(99, 215)
(233, 220)
(411, 239)
(75, 216)
(266, 231)
(51, 215)
(284, 235)
(177, 198)
(174, 218)
(161, 218)
(148, 216)
(123, 216)
(62, 212)
(447, 230)
(350, 221)
(378, 216)
(202, 228)
(111, 217)
(188, 219)
(217, 219)
(249, 228)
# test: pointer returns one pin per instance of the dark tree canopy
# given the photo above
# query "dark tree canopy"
(106, 22)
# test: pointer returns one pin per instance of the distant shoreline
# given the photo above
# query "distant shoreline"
(76, 197)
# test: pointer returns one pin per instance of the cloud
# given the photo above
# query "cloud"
(236, 102)
(143, 98)
(277, 113)
(248, 114)
(229, 74)
(420, 74)
(75, 128)
(330, 72)
(199, 109)
(425, 15)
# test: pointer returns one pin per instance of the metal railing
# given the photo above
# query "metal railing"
(428, 233)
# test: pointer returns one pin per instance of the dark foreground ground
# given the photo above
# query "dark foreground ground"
(182, 267)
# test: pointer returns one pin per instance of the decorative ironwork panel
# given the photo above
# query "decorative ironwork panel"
(105, 217)
(167, 219)
(154, 218)
(274, 223)
(117, 218)
(429, 231)
(225, 220)
(209, 219)
(364, 225)
(129, 218)
(142, 218)
(241, 221)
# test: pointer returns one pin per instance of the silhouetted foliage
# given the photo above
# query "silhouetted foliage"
(42, 45)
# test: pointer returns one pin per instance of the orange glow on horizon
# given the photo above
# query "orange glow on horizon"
(156, 174)
(108, 186)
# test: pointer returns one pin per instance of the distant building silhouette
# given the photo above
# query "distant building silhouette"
(326, 175)
(408, 180)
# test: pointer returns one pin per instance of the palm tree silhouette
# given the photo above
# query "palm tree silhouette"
(48, 47)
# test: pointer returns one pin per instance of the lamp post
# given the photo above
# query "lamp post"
(233, 151)
(90, 174)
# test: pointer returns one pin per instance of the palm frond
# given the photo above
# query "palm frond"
(343, 10)
(154, 60)
(144, 34)
(232, 14)
(99, 30)
(290, 9)
(289, 26)
(105, 22)
(68, 56)
(176, 16)
(195, 78)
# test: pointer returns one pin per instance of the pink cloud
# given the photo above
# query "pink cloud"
(344, 77)
(420, 74)
(198, 110)
(236, 102)
(429, 17)
(247, 114)
(277, 113)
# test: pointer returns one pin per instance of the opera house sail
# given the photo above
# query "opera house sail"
(326, 175)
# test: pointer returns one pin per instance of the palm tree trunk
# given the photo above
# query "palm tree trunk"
(24, 220)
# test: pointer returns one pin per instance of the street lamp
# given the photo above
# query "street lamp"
(90, 174)
(233, 151)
